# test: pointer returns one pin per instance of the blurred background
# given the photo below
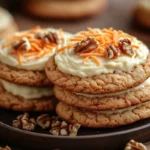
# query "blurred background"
(126, 15)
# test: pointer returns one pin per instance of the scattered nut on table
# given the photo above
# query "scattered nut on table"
(133, 145)
(24, 122)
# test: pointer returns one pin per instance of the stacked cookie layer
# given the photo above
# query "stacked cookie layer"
(101, 79)
(64, 9)
(24, 85)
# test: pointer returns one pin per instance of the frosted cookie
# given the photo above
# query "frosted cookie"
(24, 98)
(109, 101)
(103, 119)
(7, 24)
(65, 9)
(99, 61)
(24, 54)
(142, 13)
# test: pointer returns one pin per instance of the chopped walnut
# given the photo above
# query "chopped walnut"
(48, 37)
(5, 148)
(112, 51)
(45, 121)
(64, 129)
(23, 44)
(126, 47)
(24, 122)
(86, 45)
(133, 145)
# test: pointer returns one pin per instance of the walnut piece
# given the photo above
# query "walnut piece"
(112, 51)
(45, 121)
(133, 145)
(86, 45)
(5, 148)
(64, 129)
(126, 47)
(24, 122)
(23, 44)
(48, 37)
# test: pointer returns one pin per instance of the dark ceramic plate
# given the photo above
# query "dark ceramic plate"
(107, 139)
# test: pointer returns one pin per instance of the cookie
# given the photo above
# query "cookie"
(104, 102)
(65, 9)
(92, 62)
(23, 77)
(7, 25)
(103, 119)
(23, 55)
(104, 83)
(142, 13)
(17, 103)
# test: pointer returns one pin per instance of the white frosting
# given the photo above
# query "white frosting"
(5, 18)
(110, 112)
(36, 64)
(27, 92)
(70, 63)
(141, 86)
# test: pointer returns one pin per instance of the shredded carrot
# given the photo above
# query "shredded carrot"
(95, 60)
(91, 30)
(86, 59)
(30, 54)
(36, 47)
(135, 46)
(75, 39)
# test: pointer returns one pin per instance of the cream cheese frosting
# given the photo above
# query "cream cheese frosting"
(27, 92)
(35, 64)
(141, 86)
(110, 112)
(70, 63)
(5, 18)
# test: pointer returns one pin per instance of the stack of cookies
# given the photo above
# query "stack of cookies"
(101, 79)
(64, 9)
(23, 82)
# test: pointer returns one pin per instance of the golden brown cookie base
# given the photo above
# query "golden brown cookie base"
(105, 103)
(16, 103)
(65, 9)
(23, 77)
(104, 83)
(8, 30)
(98, 120)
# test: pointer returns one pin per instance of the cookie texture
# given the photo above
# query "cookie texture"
(99, 120)
(23, 77)
(16, 103)
(65, 9)
(104, 83)
(105, 103)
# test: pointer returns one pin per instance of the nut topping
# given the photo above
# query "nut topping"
(24, 122)
(48, 37)
(133, 145)
(23, 44)
(5, 148)
(86, 45)
(64, 129)
(112, 51)
(126, 47)
(45, 121)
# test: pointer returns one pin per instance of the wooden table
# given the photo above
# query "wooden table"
(118, 15)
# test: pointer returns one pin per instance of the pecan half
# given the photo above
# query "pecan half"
(24, 122)
(126, 47)
(86, 45)
(133, 145)
(64, 129)
(45, 121)
(48, 37)
(5, 148)
(112, 51)
(23, 44)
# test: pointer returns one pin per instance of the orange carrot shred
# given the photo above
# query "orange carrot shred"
(91, 30)
(95, 60)
(135, 46)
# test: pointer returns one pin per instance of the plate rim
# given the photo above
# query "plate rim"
(103, 135)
